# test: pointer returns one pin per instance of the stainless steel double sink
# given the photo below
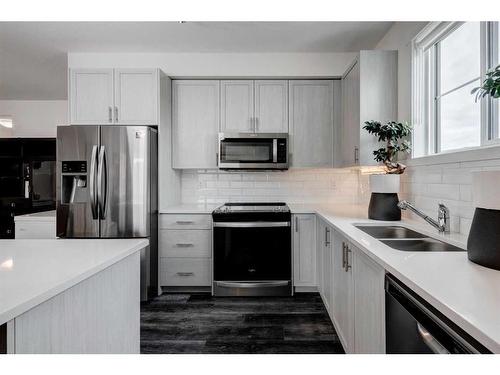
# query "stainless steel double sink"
(404, 239)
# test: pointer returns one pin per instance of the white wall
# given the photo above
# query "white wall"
(33, 118)
(184, 65)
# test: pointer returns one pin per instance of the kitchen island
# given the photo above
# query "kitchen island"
(70, 295)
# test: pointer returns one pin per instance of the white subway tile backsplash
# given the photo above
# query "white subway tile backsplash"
(444, 191)
(466, 193)
(425, 186)
(465, 225)
(450, 183)
(294, 186)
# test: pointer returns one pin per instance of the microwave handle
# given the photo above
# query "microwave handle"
(275, 150)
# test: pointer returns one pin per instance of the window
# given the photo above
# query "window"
(449, 60)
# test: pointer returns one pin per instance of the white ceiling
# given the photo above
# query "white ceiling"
(33, 54)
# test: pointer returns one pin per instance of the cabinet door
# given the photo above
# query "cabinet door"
(327, 265)
(369, 303)
(195, 114)
(311, 123)
(304, 250)
(342, 301)
(320, 246)
(271, 106)
(91, 96)
(237, 106)
(136, 96)
(351, 126)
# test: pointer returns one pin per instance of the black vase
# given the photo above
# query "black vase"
(384, 206)
(483, 244)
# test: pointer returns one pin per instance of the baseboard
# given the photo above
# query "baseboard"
(305, 289)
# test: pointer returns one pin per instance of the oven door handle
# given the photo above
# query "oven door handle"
(262, 284)
(252, 224)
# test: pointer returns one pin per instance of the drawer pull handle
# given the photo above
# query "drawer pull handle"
(185, 273)
(184, 244)
(181, 222)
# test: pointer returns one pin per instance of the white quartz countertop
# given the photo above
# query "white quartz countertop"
(49, 216)
(33, 271)
(465, 292)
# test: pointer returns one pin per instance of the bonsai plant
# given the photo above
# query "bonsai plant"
(392, 133)
(385, 187)
(490, 86)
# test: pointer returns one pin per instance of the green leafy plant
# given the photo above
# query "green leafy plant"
(490, 86)
(392, 133)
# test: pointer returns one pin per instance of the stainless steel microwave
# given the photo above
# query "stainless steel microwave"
(253, 151)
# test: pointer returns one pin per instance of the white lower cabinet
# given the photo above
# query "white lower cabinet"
(369, 304)
(327, 269)
(343, 301)
(324, 263)
(185, 250)
(304, 250)
(35, 229)
(352, 288)
(185, 271)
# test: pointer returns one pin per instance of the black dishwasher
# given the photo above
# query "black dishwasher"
(413, 326)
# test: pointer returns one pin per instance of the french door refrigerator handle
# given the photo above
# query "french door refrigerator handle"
(102, 170)
(93, 200)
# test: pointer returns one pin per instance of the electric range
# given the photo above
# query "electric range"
(252, 253)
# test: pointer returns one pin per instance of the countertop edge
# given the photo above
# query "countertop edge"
(39, 299)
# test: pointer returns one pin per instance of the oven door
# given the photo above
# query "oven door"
(252, 258)
(250, 151)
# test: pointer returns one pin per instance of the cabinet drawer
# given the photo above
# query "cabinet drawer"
(185, 271)
(199, 221)
(186, 243)
(35, 230)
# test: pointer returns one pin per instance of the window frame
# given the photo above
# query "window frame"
(425, 86)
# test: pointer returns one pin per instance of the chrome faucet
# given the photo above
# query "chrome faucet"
(443, 222)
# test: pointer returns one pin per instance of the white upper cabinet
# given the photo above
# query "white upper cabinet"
(349, 140)
(91, 96)
(254, 106)
(304, 250)
(114, 96)
(271, 106)
(237, 106)
(136, 96)
(311, 125)
(369, 91)
(195, 116)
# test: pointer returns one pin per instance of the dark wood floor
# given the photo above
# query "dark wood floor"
(182, 323)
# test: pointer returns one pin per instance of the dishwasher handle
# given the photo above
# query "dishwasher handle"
(431, 341)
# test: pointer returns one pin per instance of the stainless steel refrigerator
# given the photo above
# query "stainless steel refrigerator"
(107, 187)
